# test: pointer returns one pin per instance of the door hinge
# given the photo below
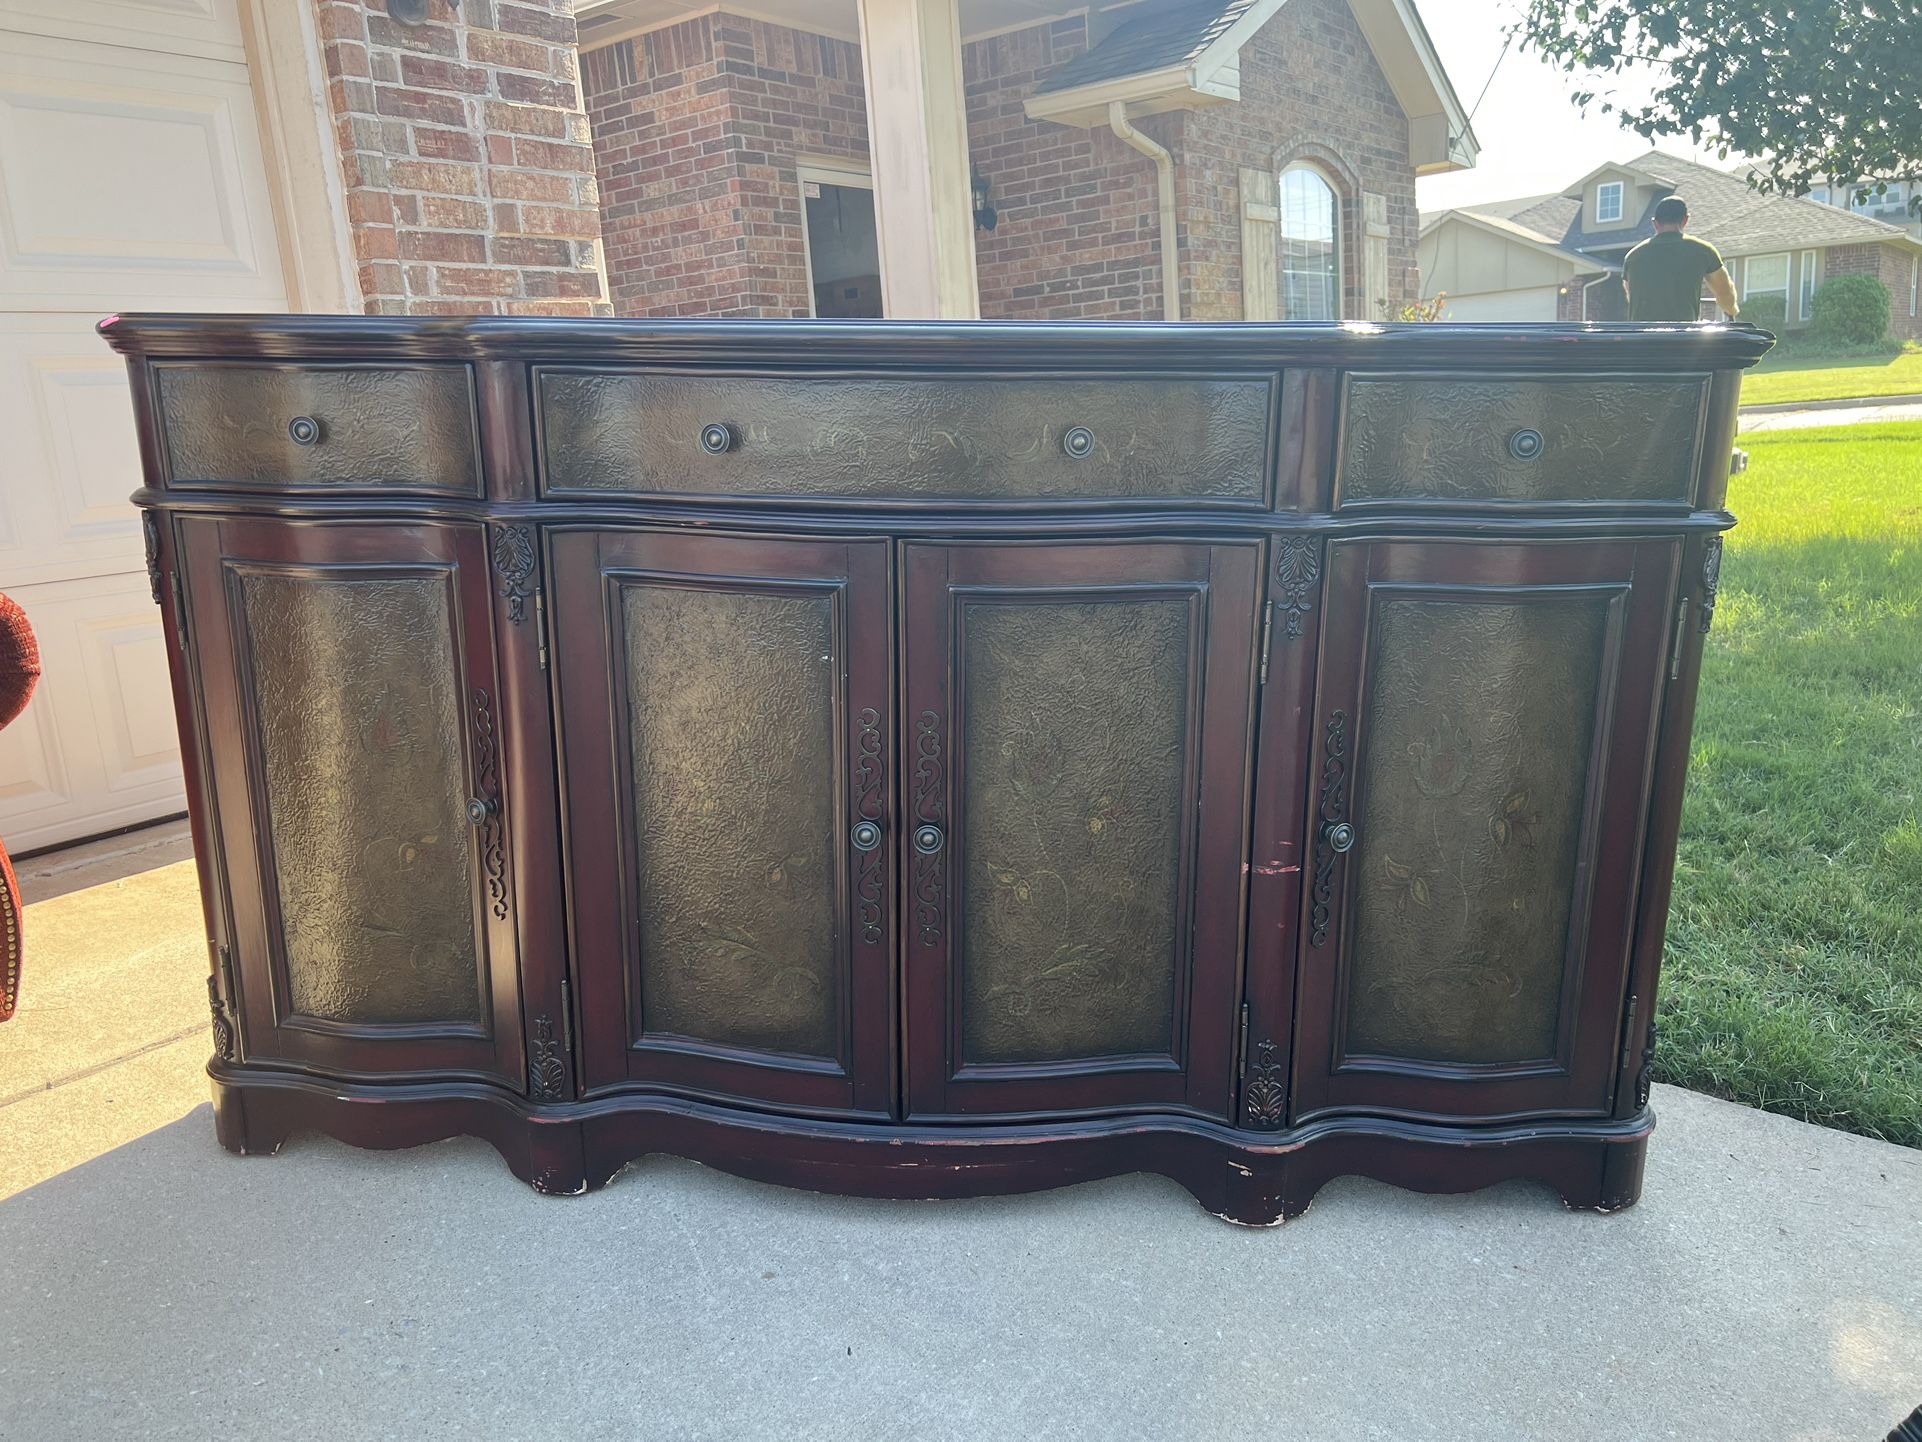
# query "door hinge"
(180, 612)
(1675, 649)
(1267, 635)
(540, 626)
(567, 1017)
(1241, 1045)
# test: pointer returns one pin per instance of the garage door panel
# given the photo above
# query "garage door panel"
(95, 748)
(174, 205)
(68, 421)
(1533, 303)
(206, 28)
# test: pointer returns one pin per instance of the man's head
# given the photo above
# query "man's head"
(1671, 213)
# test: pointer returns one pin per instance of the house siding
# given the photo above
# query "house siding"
(697, 137)
(464, 151)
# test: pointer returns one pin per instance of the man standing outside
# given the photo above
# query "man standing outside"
(1663, 275)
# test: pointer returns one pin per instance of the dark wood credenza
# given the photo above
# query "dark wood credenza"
(927, 760)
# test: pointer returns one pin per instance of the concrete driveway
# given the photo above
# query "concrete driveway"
(1769, 1285)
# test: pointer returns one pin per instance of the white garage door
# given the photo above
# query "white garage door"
(1534, 303)
(130, 179)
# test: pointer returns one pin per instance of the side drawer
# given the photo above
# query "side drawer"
(408, 428)
(1519, 439)
(907, 438)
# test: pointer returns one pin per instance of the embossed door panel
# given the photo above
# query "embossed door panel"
(348, 674)
(1074, 823)
(1480, 741)
(726, 725)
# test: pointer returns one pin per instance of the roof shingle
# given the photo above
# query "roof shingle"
(1155, 41)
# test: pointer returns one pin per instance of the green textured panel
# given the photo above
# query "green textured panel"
(1477, 736)
(1075, 743)
(358, 706)
(1448, 439)
(731, 740)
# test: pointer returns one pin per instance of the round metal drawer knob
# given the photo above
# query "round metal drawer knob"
(303, 430)
(717, 438)
(1525, 444)
(927, 839)
(1341, 838)
(479, 809)
(865, 836)
(1078, 442)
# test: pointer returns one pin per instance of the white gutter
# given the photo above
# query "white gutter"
(1165, 181)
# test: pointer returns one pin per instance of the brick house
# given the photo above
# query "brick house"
(1549, 257)
(732, 151)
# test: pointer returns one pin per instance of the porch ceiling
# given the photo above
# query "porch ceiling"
(604, 21)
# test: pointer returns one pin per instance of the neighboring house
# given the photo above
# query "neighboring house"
(1559, 257)
(1272, 147)
(1898, 204)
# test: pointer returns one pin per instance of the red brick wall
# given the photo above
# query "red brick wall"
(1310, 89)
(1888, 264)
(465, 151)
(1078, 234)
(697, 129)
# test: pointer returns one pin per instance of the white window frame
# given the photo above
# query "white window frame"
(810, 171)
(1805, 286)
(1618, 190)
(1915, 280)
(1750, 290)
(1341, 237)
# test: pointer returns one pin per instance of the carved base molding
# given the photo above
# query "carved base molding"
(1249, 1178)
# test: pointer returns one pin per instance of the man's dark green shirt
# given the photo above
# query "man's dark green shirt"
(1664, 275)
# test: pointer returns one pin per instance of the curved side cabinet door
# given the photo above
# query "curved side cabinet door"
(726, 724)
(1484, 732)
(349, 696)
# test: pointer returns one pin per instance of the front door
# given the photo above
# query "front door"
(1074, 756)
(725, 722)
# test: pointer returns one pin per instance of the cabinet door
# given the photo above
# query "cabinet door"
(348, 686)
(1074, 818)
(1480, 774)
(725, 727)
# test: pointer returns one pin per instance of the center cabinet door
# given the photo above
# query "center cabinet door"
(1074, 813)
(726, 725)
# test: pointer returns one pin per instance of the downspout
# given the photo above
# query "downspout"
(1605, 275)
(1165, 182)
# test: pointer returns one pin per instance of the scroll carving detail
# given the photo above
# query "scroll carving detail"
(150, 537)
(546, 1070)
(869, 800)
(930, 804)
(1333, 808)
(1711, 580)
(492, 843)
(223, 1021)
(1265, 1087)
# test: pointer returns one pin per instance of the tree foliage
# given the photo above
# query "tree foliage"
(1818, 90)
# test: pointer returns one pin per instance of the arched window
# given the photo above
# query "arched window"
(1310, 246)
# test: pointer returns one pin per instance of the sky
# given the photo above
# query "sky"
(1533, 139)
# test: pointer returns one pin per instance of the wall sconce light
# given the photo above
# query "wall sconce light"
(412, 12)
(986, 217)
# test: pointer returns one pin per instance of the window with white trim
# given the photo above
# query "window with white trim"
(1915, 275)
(1608, 201)
(1309, 243)
(1766, 275)
(1808, 284)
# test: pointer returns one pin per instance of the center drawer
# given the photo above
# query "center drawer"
(909, 437)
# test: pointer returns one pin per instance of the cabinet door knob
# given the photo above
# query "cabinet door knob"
(716, 439)
(927, 839)
(866, 835)
(303, 430)
(1078, 442)
(1341, 837)
(1525, 444)
(480, 808)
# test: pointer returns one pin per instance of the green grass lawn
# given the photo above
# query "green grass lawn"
(1794, 967)
(1785, 376)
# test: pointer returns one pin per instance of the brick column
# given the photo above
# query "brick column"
(465, 151)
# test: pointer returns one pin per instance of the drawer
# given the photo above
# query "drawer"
(374, 427)
(1517, 439)
(907, 438)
